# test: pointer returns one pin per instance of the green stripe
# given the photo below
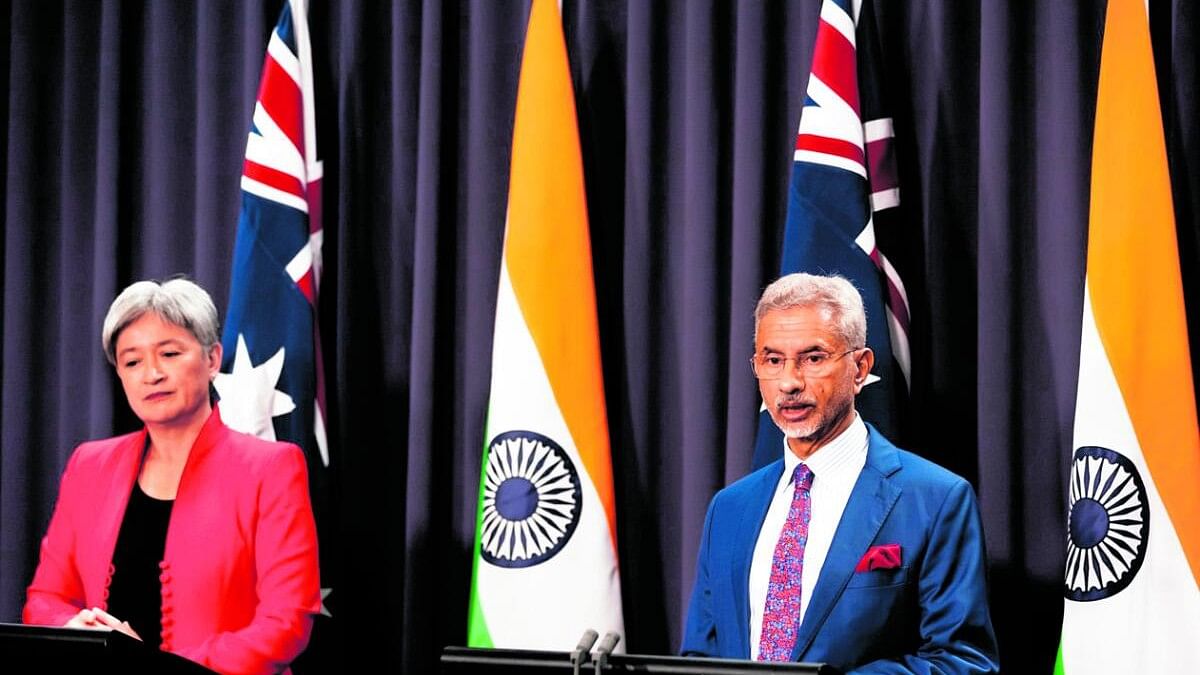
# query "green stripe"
(1058, 664)
(477, 630)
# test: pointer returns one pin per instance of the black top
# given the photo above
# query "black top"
(136, 594)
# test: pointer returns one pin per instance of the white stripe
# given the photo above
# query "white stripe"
(300, 263)
(319, 432)
(900, 349)
(875, 130)
(279, 51)
(897, 333)
(894, 276)
(1151, 626)
(279, 196)
(885, 199)
(831, 117)
(272, 148)
(838, 19)
(316, 242)
(866, 237)
(312, 166)
(836, 161)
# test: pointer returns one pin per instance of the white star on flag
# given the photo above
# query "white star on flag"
(249, 399)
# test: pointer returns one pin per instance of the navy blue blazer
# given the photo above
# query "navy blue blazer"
(929, 614)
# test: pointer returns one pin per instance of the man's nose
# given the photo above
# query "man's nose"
(792, 377)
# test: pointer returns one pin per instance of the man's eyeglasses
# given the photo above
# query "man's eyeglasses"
(812, 364)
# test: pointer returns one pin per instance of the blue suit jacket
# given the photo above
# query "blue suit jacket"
(928, 615)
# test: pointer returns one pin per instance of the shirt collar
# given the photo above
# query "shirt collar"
(831, 458)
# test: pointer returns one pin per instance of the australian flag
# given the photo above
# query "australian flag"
(843, 182)
(271, 382)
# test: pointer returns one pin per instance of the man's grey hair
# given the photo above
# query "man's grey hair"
(178, 301)
(833, 293)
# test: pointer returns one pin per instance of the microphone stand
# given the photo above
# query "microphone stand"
(582, 651)
(606, 647)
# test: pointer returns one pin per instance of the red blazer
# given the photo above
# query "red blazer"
(239, 573)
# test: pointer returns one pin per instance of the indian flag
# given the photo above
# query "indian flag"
(1133, 554)
(545, 552)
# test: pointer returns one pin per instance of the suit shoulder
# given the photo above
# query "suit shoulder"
(101, 451)
(254, 451)
(929, 478)
(749, 485)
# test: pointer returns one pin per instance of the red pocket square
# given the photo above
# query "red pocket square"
(882, 557)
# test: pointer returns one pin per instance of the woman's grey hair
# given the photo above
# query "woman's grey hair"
(179, 301)
(833, 293)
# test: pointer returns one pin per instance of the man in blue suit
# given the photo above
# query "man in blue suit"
(847, 550)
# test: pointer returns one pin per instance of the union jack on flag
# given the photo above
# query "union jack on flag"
(843, 181)
(271, 382)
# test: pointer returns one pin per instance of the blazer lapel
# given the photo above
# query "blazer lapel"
(871, 500)
(744, 539)
(111, 507)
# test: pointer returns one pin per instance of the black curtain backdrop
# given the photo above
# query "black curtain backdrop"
(124, 127)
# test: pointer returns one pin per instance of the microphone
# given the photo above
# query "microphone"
(606, 647)
(583, 650)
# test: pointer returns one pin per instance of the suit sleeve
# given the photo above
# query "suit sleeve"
(700, 631)
(288, 586)
(56, 593)
(955, 626)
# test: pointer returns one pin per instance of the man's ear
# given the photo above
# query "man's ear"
(863, 364)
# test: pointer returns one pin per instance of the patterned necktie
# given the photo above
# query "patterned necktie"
(781, 616)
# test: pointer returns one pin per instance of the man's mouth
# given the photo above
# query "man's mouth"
(157, 396)
(795, 410)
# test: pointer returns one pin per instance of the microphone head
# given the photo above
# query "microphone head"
(587, 640)
(609, 642)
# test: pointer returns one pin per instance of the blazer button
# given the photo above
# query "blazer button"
(168, 621)
(111, 569)
(164, 577)
(104, 594)
(163, 564)
(166, 591)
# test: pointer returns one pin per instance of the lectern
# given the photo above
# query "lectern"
(472, 661)
(60, 650)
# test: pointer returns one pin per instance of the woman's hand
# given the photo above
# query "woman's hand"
(98, 619)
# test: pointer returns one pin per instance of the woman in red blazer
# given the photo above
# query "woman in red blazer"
(202, 537)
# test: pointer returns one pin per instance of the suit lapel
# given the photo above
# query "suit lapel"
(871, 500)
(743, 547)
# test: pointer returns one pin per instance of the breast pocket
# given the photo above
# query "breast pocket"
(897, 576)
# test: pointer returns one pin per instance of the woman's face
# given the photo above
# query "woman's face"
(165, 372)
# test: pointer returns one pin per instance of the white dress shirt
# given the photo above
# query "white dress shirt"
(835, 469)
